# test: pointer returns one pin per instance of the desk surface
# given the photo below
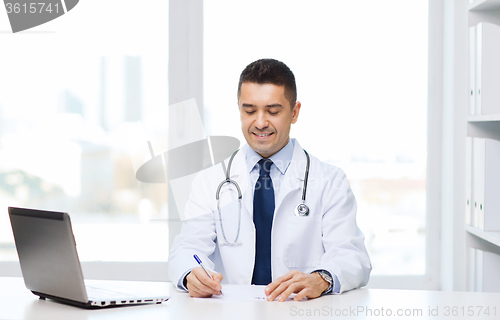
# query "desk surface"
(16, 302)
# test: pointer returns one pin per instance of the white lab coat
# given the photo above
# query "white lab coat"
(326, 239)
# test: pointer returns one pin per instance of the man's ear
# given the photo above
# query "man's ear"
(296, 111)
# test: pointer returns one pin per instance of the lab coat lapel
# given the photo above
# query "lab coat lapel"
(294, 176)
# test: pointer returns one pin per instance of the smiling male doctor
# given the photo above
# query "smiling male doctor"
(311, 255)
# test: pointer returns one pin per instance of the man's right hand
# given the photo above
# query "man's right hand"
(200, 285)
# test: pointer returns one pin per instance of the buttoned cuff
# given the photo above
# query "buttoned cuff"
(336, 284)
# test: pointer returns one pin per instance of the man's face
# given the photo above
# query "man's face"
(266, 117)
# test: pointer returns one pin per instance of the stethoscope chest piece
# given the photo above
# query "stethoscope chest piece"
(301, 210)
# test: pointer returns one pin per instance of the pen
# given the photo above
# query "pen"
(201, 265)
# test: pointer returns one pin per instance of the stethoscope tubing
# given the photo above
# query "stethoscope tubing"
(230, 181)
(306, 178)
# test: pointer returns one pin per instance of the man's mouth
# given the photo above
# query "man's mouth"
(262, 135)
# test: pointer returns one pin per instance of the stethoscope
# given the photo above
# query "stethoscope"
(301, 210)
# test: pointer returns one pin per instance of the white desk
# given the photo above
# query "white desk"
(16, 302)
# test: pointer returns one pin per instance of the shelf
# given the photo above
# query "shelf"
(492, 237)
(483, 118)
(482, 248)
(483, 128)
(484, 5)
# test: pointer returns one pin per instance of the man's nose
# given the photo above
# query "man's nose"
(261, 122)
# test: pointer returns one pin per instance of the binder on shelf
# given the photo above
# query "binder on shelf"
(477, 68)
(468, 182)
(491, 276)
(472, 269)
(487, 277)
(472, 70)
(479, 270)
(487, 69)
(486, 183)
(477, 180)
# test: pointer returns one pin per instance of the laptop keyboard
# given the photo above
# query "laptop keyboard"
(103, 294)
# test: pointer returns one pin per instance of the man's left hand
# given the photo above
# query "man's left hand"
(310, 285)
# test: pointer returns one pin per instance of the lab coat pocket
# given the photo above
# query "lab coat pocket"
(304, 247)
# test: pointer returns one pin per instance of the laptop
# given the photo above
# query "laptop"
(51, 267)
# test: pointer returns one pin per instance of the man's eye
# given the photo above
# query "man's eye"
(273, 113)
(250, 112)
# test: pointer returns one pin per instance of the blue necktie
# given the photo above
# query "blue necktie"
(263, 211)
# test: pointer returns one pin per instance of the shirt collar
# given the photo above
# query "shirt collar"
(281, 159)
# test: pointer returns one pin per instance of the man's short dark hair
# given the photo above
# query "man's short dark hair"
(270, 71)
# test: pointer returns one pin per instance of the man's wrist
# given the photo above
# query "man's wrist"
(327, 277)
(323, 284)
(184, 281)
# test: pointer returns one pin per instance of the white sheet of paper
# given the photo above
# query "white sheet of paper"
(241, 293)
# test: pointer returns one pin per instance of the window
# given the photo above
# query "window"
(361, 71)
(74, 105)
